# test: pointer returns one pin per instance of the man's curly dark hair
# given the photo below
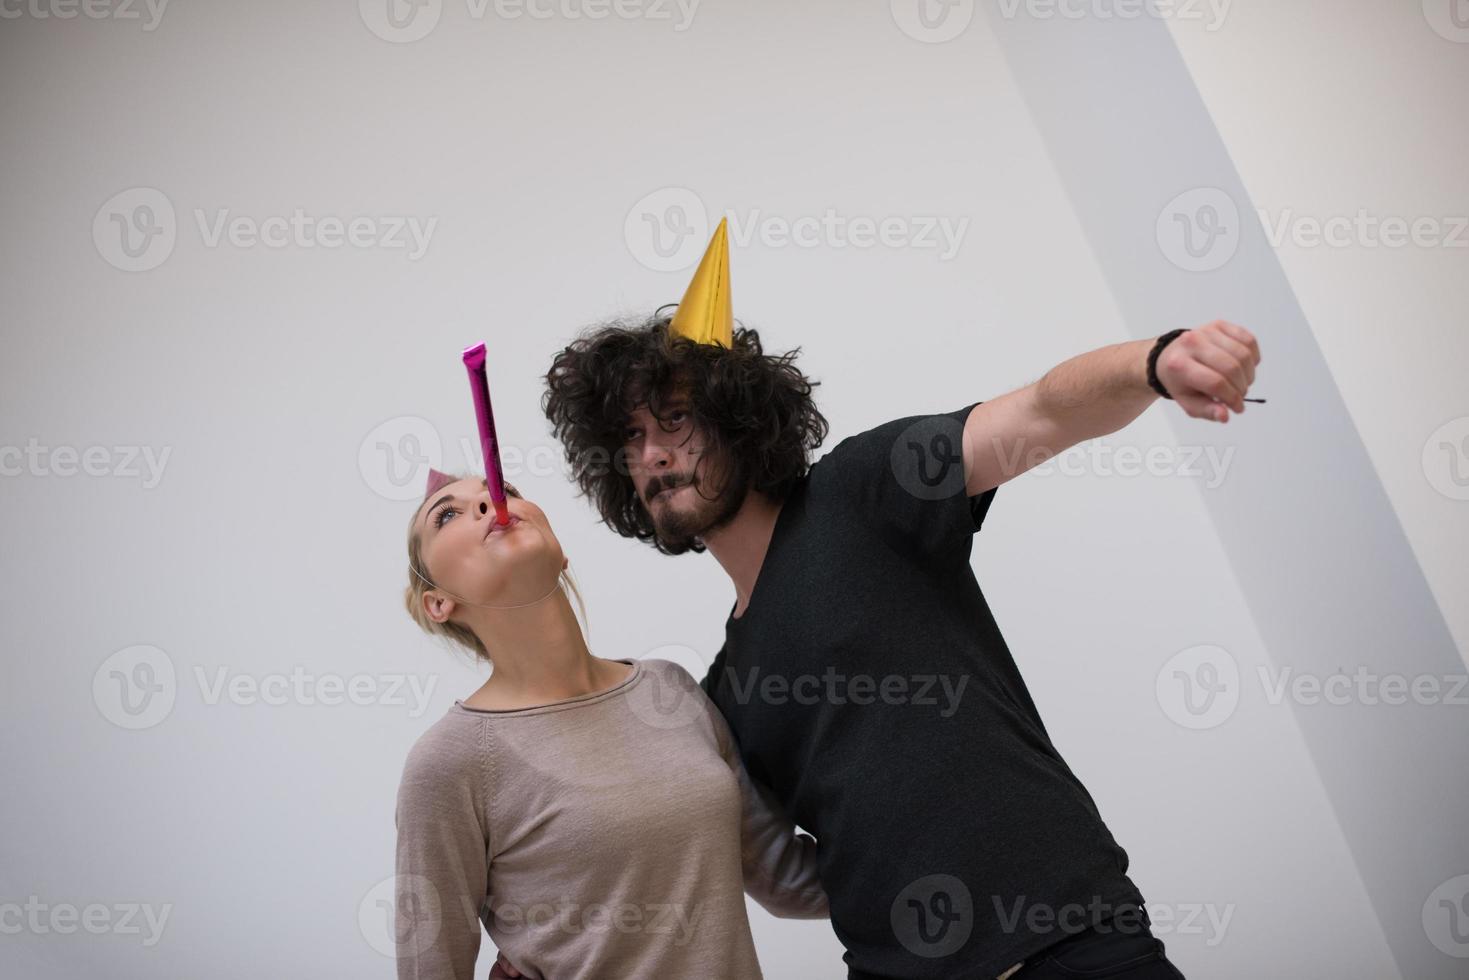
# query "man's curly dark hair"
(754, 409)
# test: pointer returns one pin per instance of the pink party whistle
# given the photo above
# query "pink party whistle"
(474, 362)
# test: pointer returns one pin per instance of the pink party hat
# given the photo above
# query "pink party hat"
(436, 482)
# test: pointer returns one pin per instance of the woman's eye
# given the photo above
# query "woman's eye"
(439, 517)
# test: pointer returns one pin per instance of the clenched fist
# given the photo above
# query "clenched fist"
(1209, 370)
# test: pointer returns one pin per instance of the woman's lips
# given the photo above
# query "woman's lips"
(501, 527)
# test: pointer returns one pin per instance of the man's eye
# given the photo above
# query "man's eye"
(629, 435)
(439, 517)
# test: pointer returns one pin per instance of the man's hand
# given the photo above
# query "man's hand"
(502, 969)
(1209, 370)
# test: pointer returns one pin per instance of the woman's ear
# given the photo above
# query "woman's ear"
(438, 607)
(564, 562)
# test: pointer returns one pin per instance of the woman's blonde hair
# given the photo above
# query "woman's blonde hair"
(420, 582)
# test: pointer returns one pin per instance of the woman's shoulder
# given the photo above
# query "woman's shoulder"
(669, 671)
(691, 702)
(451, 751)
(672, 675)
(445, 781)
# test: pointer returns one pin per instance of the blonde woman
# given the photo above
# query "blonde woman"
(592, 813)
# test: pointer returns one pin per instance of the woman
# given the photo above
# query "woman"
(592, 813)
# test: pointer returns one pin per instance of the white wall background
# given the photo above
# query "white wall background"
(271, 542)
(1329, 109)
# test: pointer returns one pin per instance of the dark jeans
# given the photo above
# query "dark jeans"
(1121, 948)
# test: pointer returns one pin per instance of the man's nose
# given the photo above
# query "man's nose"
(657, 455)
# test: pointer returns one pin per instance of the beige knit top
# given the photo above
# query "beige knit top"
(610, 835)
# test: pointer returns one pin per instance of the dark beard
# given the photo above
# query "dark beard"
(679, 532)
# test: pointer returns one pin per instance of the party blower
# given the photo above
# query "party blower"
(474, 362)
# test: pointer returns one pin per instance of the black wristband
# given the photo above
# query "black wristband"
(1163, 342)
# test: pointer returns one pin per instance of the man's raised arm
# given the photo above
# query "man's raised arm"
(1207, 370)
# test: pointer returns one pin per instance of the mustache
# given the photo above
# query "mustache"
(657, 485)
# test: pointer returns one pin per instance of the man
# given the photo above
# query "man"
(863, 675)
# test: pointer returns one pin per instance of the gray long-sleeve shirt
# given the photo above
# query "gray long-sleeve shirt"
(607, 835)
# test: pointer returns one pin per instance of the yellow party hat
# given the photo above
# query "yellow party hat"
(705, 314)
